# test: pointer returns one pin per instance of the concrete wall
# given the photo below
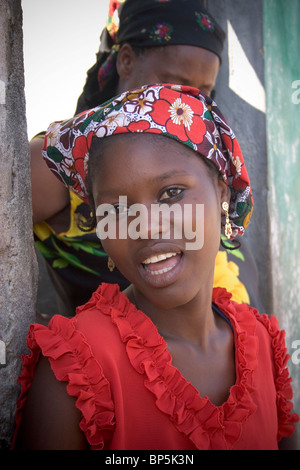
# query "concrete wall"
(282, 69)
(17, 259)
(241, 97)
(262, 53)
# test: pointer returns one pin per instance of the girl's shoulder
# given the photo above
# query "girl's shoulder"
(257, 334)
(245, 317)
(69, 345)
(261, 348)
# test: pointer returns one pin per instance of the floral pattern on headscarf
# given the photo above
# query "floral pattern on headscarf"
(112, 22)
(178, 112)
(161, 32)
(205, 22)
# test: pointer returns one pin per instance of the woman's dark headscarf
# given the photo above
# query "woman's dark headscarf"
(143, 24)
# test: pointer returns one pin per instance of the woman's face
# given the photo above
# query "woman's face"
(180, 64)
(157, 257)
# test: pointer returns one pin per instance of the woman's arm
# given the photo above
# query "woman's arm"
(49, 195)
(50, 418)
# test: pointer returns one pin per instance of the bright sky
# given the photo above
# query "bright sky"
(61, 38)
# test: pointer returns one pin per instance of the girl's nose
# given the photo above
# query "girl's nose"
(153, 221)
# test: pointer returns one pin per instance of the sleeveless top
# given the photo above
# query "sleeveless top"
(120, 372)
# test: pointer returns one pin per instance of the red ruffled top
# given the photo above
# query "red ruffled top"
(130, 395)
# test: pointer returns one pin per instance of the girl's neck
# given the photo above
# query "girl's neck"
(193, 322)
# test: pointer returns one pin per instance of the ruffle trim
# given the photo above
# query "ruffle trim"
(286, 418)
(72, 361)
(206, 425)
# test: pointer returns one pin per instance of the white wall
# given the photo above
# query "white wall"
(61, 38)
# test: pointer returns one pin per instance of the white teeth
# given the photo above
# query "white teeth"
(160, 271)
(156, 258)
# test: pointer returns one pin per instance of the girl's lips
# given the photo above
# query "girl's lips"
(161, 269)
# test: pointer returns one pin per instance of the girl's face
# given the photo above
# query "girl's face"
(149, 170)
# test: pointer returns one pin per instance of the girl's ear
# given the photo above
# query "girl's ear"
(224, 191)
(125, 61)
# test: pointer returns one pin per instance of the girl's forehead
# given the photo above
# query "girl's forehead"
(146, 161)
(145, 150)
(147, 141)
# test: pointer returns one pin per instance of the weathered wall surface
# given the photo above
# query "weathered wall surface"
(282, 66)
(17, 258)
(241, 97)
(258, 90)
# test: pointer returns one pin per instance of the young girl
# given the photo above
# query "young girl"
(171, 363)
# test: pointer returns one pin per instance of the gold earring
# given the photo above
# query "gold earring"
(228, 228)
(110, 264)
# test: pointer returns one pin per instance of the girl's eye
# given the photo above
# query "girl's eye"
(170, 193)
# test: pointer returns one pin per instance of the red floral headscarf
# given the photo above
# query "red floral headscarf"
(178, 112)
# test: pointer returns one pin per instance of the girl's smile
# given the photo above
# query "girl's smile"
(162, 267)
